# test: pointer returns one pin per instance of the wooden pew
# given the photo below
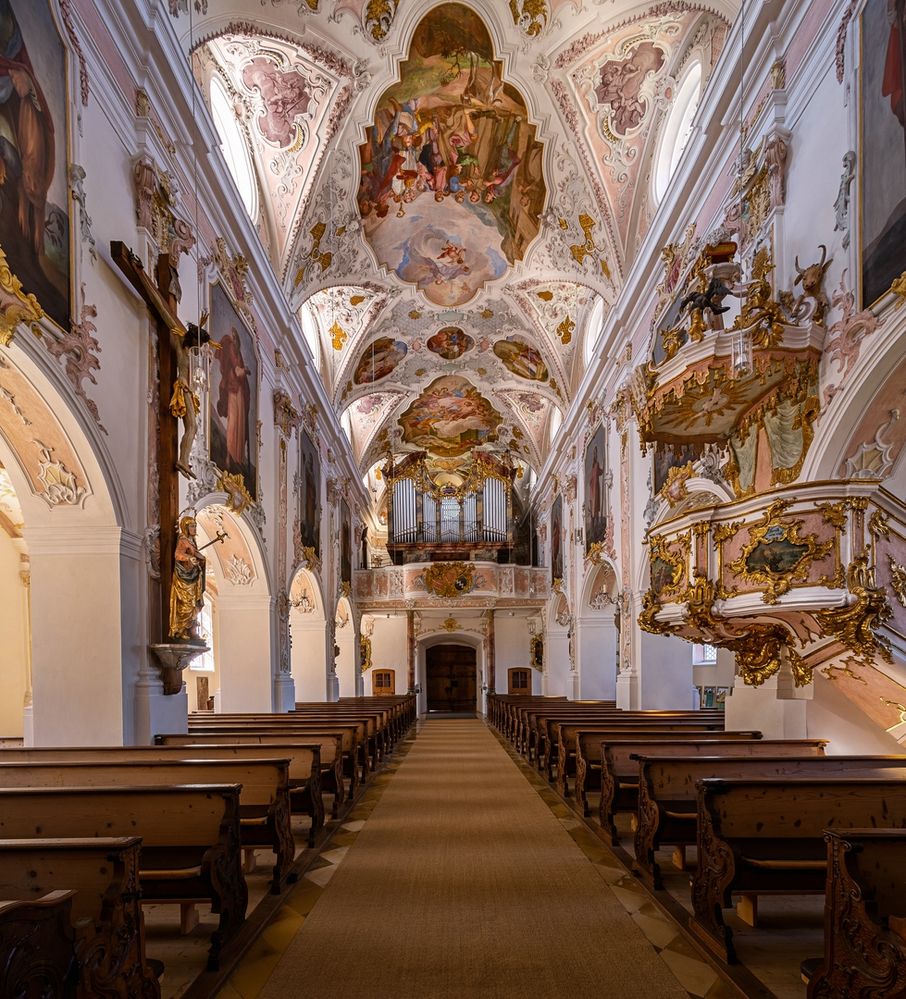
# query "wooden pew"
(190, 839)
(864, 916)
(106, 913)
(364, 728)
(567, 734)
(303, 759)
(545, 740)
(608, 765)
(766, 835)
(264, 809)
(47, 966)
(339, 749)
(668, 797)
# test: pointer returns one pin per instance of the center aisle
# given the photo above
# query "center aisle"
(463, 883)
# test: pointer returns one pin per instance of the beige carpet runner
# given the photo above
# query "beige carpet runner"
(463, 883)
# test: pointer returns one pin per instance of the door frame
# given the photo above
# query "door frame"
(441, 637)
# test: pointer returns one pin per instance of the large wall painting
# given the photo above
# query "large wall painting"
(883, 146)
(34, 207)
(452, 185)
(233, 393)
(596, 488)
(521, 359)
(450, 343)
(379, 359)
(450, 417)
(557, 539)
(309, 493)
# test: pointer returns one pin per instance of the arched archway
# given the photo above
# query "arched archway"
(308, 635)
(241, 612)
(85, 574)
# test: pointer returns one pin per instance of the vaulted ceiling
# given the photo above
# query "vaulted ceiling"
(448, 192)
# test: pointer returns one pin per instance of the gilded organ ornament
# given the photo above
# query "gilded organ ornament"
(450, 579)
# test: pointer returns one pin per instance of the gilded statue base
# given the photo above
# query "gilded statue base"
(172, 658)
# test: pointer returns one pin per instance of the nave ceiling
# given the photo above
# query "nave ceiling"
(451, 195)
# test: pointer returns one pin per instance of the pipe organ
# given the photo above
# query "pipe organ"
(450, 512)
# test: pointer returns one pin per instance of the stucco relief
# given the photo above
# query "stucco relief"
(45, 454)
(235, 561)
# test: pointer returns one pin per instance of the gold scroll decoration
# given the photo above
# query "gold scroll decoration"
(450, 579)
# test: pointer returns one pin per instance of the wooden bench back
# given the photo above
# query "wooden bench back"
(302, 757)
(261, 781)
(174, 816)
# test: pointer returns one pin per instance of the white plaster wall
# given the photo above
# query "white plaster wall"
(347, 662)
(832, 715)
(309, 656)
(388, 651)
(13, 645)
(665, 675)
(244, 643)
(512, 649)
(597, 657)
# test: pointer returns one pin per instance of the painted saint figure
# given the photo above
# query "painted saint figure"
(233, 401)
(187, 585)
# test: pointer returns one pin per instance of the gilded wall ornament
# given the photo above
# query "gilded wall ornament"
(450, 579)
(238, 498)
(669, 568)
(365, 662)
(898, 579)
(15, 305)
(759, 655)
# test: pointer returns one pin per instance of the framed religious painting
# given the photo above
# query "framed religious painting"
(595, 488)
(233, 393)
(309, 493)
(34, 206)
(345, 543)
(557, 539)
(882, 142)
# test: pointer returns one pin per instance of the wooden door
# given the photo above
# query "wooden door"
(383, 682)
(519, 681)
(451, 677)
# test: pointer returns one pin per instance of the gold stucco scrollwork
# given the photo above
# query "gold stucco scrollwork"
(15, 305)
(365, 663)
(238, 497)
(775, 556)
(759, 655)
(668, 567)
(898, 579)
(450, 579)
(854, 626)
(648, 617)
(700, 597)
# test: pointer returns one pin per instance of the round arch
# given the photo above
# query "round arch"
(85, 573)
(308, 636)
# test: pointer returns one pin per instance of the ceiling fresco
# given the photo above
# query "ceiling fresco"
(447, 191)
(451, 184)
(449, 418)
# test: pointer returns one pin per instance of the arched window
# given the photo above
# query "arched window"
(311, 333)
(233, 144)
(677, 128)
(593, 329)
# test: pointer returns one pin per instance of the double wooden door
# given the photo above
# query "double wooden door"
(451, 676)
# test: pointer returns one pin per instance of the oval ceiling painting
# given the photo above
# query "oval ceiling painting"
(379, 359)
(450, 417)
(452, 185)
(522, 359)
(450, 343)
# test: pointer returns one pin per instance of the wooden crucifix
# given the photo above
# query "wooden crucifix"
(173, 343)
